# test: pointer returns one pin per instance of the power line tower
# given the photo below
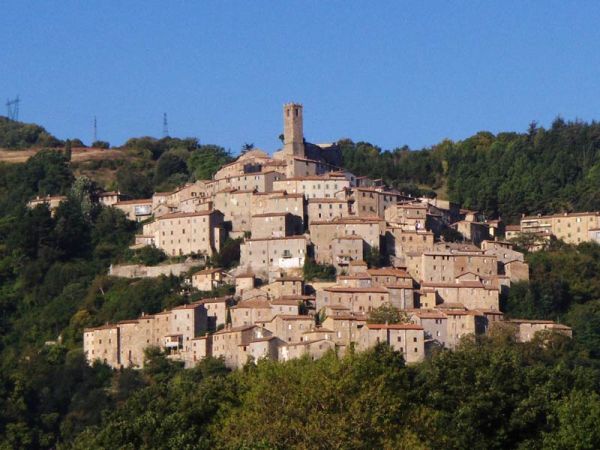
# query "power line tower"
(165, 125)
(95, 130)
(12, 109)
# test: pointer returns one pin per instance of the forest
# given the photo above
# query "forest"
(504, 175)
(492, 392)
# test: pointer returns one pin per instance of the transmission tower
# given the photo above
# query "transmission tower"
(95, 130)
(12, 109)
(165, 125)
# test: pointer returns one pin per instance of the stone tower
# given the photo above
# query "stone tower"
(293, 135)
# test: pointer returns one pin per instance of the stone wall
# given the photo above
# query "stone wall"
(139, 271)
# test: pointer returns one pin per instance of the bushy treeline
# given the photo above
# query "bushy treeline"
(491, 393)
(159, 165)
(18, 135)
(564, 286)
(540, 171)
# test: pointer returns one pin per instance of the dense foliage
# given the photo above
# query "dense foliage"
(314, 271)
(18, 135)
(167, 163)
(541, 171)
(489, 394)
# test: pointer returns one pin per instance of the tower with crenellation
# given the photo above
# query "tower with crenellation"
(293, 134)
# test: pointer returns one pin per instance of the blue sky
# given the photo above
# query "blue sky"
(391, 73)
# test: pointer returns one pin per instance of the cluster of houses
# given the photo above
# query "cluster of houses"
(300, 203)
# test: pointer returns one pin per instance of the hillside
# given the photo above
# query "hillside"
(508, 174)
(492, 392)
(504, 175)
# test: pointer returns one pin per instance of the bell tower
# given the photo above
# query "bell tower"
(293, 135)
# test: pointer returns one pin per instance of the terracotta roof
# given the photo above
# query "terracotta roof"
(276, 238)
(214, 300)
(394, 326)
(532, 321)
(280, 214)
(208, 271)
(327, 200)
(286, 195)
(235, 329)
(134, 202)
(288, 279)
(252, 303)
(358, 276)
(575, 214)
(281, 301)
(293, 317)
(386, 271)
(101, 327)
(428, 314)
(344, 289)
(348, 221)
(460, 285)
(178, 215)
(358, 263)
(298, 297)
(318, 330)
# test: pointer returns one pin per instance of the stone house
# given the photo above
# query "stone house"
(273, 253)
(187, 233)
(406, 338)
(208, 279)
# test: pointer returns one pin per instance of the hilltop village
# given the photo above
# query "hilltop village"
(398, 278)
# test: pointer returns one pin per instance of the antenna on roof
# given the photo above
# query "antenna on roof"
(165, 125)
(12, 109)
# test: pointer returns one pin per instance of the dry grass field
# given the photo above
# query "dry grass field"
(79, 154)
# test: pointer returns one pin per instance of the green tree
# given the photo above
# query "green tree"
(387, 313)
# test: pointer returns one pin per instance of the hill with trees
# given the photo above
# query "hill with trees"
(492, 392)
(540, 171)
(19, 135)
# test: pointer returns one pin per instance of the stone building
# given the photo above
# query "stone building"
(406, 338)
(208, 279)
(280, 224)
(136, 210)
(356, 299)
(572, 228)
(123, 344)
(329, 185)
(322, 233)
(289, 328)
(249, 312)
(102, 343)
(260, 255)
(314, 349)
(188, 233)
(216, 311)
(320, 209)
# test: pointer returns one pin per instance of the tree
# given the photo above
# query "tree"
(68, 149)
(576, 422)
(315, 271)
(204, 162)
(229, 255)
(168, 165)
(246, 147)
(374, 258)
(101, 144)
(387, 313)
